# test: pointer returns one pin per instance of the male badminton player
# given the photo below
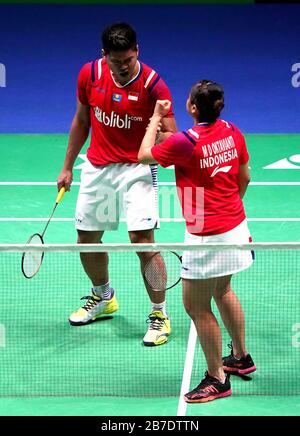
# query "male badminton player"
(116, 97)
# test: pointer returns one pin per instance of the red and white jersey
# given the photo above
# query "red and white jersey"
(207, 156)
(119, 114)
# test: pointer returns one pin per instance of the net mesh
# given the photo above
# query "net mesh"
(43, 355)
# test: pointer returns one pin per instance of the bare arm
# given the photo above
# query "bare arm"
(145, 156)
(243, 179)
(79, 133)
(167, 129)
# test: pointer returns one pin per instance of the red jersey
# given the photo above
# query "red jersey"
(119, 114)
(207, 156)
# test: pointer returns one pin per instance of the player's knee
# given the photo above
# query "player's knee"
(141, 237)
(134, 238)
(85, 237)
(222, 291)
(198, 312)
(190, 310)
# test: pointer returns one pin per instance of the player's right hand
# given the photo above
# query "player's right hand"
(65, 179)
(162, 107)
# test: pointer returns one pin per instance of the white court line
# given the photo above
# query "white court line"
(32, 183)
(187, 371)
(159, 183)
(2, 336)
(251, 183)
(36, 219)
(164, 220)
(274, 183)
(273, 219)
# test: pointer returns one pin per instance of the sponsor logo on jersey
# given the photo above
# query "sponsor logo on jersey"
(117, 97)
(115, 120)
(221, 170)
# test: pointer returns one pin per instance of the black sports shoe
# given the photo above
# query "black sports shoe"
(242, 366)
(209, 389)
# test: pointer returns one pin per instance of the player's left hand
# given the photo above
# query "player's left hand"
(162, 107)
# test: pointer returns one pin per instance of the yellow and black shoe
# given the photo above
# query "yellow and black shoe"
(93, 309)
(159, 329)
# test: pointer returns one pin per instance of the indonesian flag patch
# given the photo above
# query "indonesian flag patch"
(133, 96)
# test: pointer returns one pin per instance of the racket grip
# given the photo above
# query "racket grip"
(60, 194)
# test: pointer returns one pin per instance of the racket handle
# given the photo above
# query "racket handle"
(60, 194)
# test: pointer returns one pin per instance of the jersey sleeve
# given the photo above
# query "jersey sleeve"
(240, 141)
(82, 82)
(243, 154)
(175, 150)
(158, 90)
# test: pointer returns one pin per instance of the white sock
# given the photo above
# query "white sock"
(160, 306)
(103, 291)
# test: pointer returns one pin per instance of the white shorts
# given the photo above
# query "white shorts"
(107, 191)
(211, 263)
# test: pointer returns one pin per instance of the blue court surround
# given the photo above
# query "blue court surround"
(249, 49)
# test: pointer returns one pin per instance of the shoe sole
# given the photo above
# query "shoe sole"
(229, 370)
(211, 398)
(99, 318)
(102, 316)
(153, 344)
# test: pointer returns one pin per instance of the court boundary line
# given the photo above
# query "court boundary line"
(187, 370)
(159, 183)
(164, 220)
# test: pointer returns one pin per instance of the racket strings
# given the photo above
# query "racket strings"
(32, 260)
(156, 273)
(32, 263)
(163, 271)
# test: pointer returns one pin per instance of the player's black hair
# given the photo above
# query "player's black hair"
(119, 37)
(208, 97)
